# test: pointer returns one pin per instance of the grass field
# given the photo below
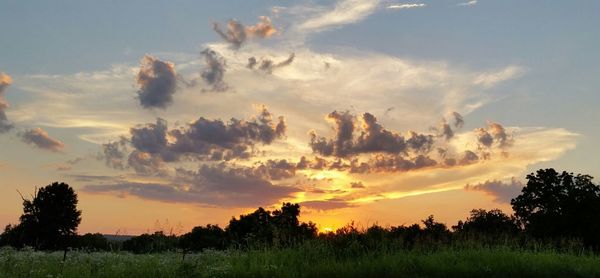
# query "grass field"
(305, 261)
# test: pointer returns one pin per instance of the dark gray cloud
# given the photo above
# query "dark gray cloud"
(329, 204)
(40, 138)
(146, 164)
(114, 153)
(484, 137)
(214, 72)
(267, 65)
(502, 192)
(93, 178)
(469, 157)
(5, 124)
(373, 138)
(392, 151)
(236, 33)
(151, 138)
(392, 163)
(204, 139)
(68, 165)
(357, 185)
(459, 121)
(445, 130)
(157, 81)
(493, 133)
(209, 185)
(252, 63)
(273, 169)
(499, 133)
(225, 141)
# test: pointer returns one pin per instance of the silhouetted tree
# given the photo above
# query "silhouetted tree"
(93, 242)
(554, 205)
(49, 220)
(200, 238)
(434, 231)
(409, 235)
(151, 243)
(487, 223)
(287, 227)
(14, 236)
(265, 227)
(252, 228)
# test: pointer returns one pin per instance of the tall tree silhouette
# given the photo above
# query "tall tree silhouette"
(266, 227)
(554, 205)
(49, 220)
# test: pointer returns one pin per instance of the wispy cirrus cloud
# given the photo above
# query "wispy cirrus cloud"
(342, 13)
(491, 79)
(406, 6)
(469, 3)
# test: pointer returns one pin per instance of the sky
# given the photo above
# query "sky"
(165, 115)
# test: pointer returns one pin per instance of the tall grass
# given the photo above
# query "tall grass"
(311, 259)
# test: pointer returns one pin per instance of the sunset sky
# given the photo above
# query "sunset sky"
(174, 114)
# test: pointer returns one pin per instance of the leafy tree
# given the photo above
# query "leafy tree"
(558, 205)
(49, 220)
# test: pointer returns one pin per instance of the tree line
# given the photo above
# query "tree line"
(553, 208)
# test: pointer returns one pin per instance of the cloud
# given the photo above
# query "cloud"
(373, 138)
(40, 138)
(5, 124)
(113, 153)
(157, 81)
(445, 130)
(493, 133)
(488, 80)
(267, 65)
(237, 33)
(209, 185)
(459, 121)
(329, 204)
(502, 192)
(405, 6)
(344, 12)
(68, 165)
(391, 151)
(146, 164)
(357, 185)
(470, 3)
(154, 144)
(214, 72)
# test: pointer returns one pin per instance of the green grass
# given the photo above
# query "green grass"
(304, 261)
